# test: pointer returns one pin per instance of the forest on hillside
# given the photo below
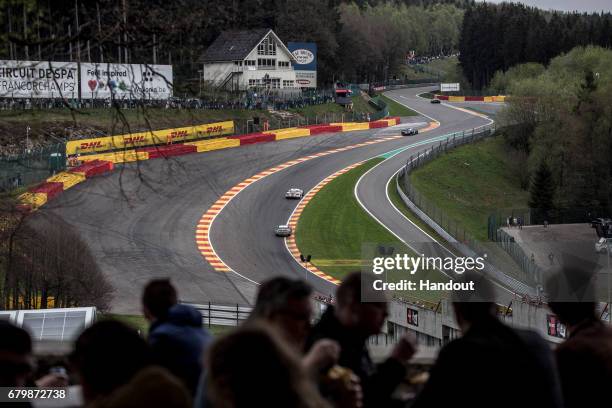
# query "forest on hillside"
(358, 40)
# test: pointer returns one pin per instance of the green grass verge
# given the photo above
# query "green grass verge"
(141, 324)
(403, 208)
(333, 227)
(470, 183)
(397, 109)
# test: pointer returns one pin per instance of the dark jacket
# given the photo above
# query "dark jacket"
(378, 381)
(585, 365)
(493, 365)
(178, 343)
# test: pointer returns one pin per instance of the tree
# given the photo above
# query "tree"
(541, 193)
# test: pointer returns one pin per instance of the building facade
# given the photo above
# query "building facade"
(249, 59)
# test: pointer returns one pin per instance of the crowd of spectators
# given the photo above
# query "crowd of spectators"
(278, 359)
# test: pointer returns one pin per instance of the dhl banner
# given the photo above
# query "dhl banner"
(149, 138)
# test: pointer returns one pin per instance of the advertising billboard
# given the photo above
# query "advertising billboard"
(306, 66)
(454, 87)
(125, 81)
(38, 79)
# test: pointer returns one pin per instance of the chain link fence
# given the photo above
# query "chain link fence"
(32, 166)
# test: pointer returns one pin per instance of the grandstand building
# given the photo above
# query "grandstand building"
(248, 59)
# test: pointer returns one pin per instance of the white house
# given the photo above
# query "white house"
(239, 60)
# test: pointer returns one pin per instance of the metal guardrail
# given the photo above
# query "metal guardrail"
(222, 315)
(453, 232)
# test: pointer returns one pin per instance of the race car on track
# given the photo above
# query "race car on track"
(283, 231)
(294, 193)
(410, 132)
(435, 100)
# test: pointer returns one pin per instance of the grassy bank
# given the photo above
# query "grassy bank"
(333, 227)
(397, 109)
(470, 183)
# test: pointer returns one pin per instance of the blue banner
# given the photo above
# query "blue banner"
(305, 54)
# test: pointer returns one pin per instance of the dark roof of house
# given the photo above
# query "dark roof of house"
(233, 45)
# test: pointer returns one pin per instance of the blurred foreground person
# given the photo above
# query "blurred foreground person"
(15, 355)
(584, 360)
(176, 335)
(253, 367)
(350, 324)
(113, 364)
(286, 305)
(491, 365)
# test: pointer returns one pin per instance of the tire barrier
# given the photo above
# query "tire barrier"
(167, 151)
(67, 179)
(215, 144)
(93, 168)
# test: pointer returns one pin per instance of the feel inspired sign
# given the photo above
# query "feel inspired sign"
(126, 81)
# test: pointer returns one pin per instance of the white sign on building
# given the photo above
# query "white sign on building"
(38, 79)
(452, 87)
(126, 81)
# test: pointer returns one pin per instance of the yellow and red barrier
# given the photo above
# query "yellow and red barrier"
(100, 163)
(149, 138)
(214, 144)
(450, 98)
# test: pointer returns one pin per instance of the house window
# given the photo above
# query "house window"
(275, 83)
(267, 47)
(249, 62)
(283, 64)
(288, 84)
(266, 63)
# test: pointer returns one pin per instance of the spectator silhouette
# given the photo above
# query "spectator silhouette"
(253, 367)
(584, 360)
(113, 364)
(15, 355)
(350, 324)
(491, 365)
(176, 335)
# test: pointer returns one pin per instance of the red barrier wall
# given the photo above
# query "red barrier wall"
(168, 151)
(50, 189)
(93, 168)
(318, 129)
(253, 138)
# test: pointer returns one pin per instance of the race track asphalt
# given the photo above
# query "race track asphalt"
(140, 220)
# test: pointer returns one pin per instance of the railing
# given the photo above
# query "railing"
(222, 315)
(520, 280)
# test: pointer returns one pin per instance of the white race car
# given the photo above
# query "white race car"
(294, 193)
(282, 231)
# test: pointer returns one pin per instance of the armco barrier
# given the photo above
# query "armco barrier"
(149, 138)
